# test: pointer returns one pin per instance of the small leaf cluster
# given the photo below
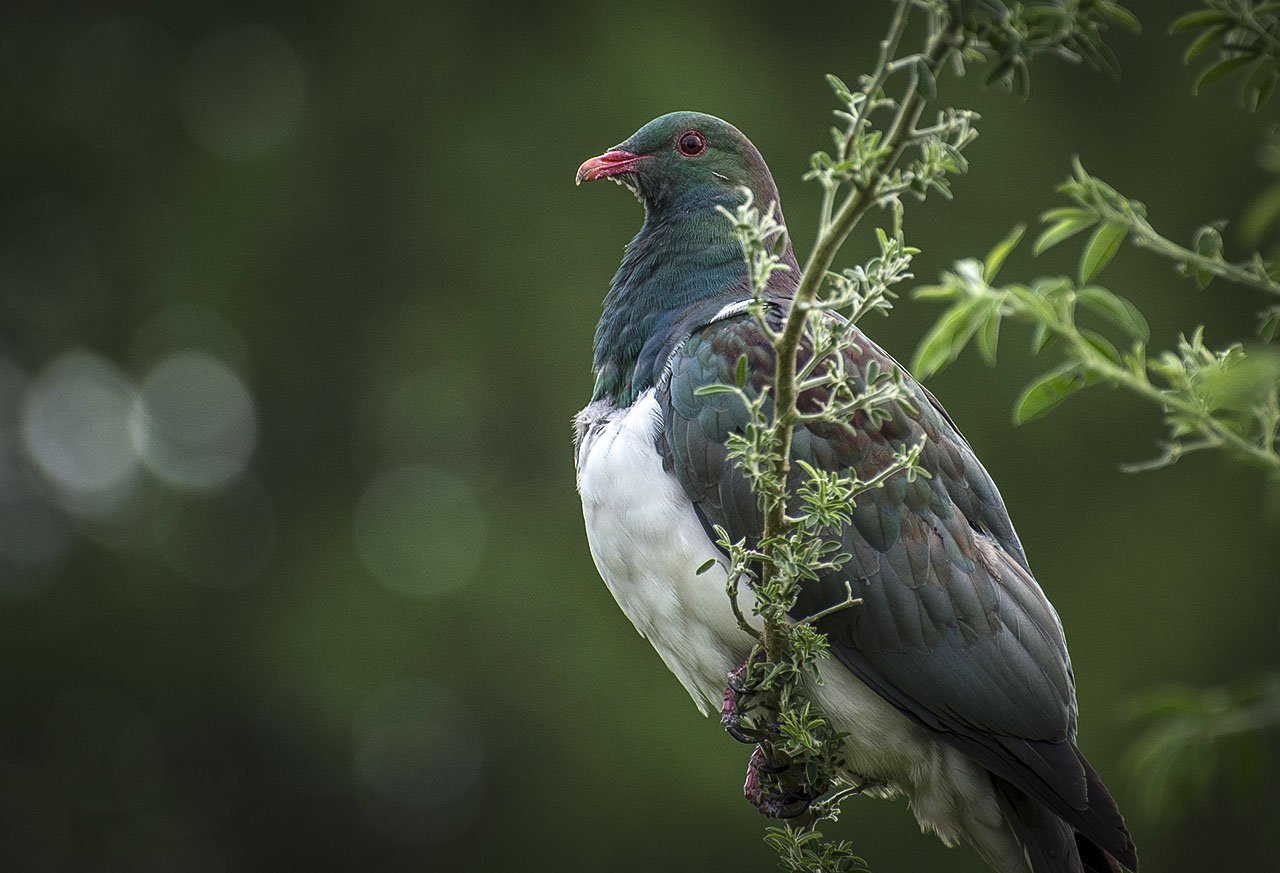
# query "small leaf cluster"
(1007, 36)
(864, 160)
(869, 287)
(1244, 36)
(1113, 218)
(805, 851)
(762, 237)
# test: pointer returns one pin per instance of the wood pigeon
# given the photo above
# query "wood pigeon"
(951, 677)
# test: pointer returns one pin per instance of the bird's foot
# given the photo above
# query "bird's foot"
(732, 709)
(775, 785)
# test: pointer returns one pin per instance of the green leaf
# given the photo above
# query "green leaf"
(1000, 73)
(1261, 215)
(1049, 391)
(1101, 249)
(1219, 70)
(1260, 85)
(1202, 42)
(989, 336)
(1200, 18)
(935, 292)
(1270, 324)
(926, 84)
(712, 390)
(1265, 90)
(1022, 79)
(706, 565)
(1108, 59)
(740, 372)
(946, 338)
(1207, 244)
(1064, 229)
(1064, 213)
(837, 84)
(1208, 241)
(1040, 337)
(1116, 309)
(995, 258)
(1102, 346)
(1122, 16)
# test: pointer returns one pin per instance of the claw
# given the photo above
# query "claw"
(740, 733)
(731, 709)
(763, 763)
(786, 807)
(761, 788)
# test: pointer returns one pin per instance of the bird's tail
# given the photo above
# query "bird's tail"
(1053, 845)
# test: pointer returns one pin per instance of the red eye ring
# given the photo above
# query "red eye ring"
(691, 143)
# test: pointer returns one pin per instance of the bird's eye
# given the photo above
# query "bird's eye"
(692, 144)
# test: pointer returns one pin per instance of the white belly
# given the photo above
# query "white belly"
(648, 544)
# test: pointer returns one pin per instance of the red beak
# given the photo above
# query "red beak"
(611, 163)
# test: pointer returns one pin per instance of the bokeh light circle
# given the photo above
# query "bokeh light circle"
(420, 530)
(242, 93)
(75, 427)
(418, 761)
(194, 423)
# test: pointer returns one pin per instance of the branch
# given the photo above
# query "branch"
(825, 248)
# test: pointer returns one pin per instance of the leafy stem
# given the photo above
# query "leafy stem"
(1211, 399)
(831, 237)
(880, 153)
(1115, 216)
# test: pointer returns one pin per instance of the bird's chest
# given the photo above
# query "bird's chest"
(648, 544)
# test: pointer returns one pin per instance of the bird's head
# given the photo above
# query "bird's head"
(683, 160)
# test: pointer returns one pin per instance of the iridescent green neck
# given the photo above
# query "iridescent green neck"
(680, 258)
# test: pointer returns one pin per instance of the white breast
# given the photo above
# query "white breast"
(648, 544)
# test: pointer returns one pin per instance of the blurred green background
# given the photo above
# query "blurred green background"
(296, 303)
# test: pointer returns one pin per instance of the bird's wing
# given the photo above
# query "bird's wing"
(952, 629)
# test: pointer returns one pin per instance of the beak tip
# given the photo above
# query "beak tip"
(611, 163)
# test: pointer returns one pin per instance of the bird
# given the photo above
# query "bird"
(951, 677)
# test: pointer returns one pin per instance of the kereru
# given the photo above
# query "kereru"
(951, 677)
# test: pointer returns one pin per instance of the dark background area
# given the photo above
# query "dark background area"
(296, 304)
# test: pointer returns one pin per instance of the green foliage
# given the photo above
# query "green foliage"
(805, 850)
(1245, 38)
(788, 652)
(1226, 398)
(1116, 217)
(1196, 739)
(1009, 35)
